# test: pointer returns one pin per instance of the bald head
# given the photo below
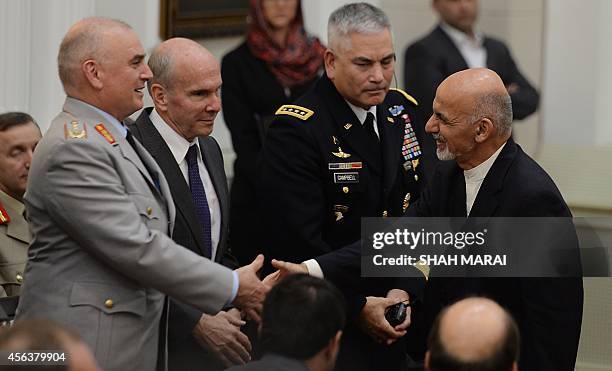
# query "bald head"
(83, 41)
(185, 87)
(474, 331)
(482, 94)
(173, 56)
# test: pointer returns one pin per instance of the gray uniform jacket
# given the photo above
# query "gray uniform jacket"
(100, 260)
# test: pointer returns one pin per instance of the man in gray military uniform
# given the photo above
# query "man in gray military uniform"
(100, 260)
(19, 135)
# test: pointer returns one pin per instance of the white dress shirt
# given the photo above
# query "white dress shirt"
(179, 147)
(362, 114)
(471, 48)
(474, 178)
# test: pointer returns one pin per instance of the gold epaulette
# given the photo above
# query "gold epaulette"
(408, 96)
(423, 268)
(295, 111)
(75, 130)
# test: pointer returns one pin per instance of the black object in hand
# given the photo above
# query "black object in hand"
(396, 313)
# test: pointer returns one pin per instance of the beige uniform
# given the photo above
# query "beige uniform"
(14, 241)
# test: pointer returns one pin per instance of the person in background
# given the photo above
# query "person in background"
(301, 326)
(19, 135)
(276, 64)
(456, 44)
(44, 336)
(473, 334)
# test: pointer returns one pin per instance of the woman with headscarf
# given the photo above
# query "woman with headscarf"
(274, 66)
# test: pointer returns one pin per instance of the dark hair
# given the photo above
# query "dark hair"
(10, 119)
(301, 315)
(501, 359)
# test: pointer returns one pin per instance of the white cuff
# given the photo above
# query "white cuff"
(314, 269)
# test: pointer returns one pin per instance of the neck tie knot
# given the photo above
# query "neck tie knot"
(192, 156)
(368, 125)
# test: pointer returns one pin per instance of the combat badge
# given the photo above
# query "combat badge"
(341, 154)
(105, 133)
(339, 211)
(75, 130)
(396, 110)
(4, 216)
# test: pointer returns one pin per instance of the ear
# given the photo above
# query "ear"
(426, 361)
(92, 73)
(331, 350)
(330, 63)
(484, 130)
(159, 94)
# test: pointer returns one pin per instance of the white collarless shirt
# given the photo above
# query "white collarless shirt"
(474, 178)
(179, 147)
(471, 48)
(362, 114)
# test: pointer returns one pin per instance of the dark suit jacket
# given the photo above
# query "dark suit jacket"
(183, 349)
(320, 176)
(548, 311)
(435, 57)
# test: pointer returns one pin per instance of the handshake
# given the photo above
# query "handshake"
(252, 290)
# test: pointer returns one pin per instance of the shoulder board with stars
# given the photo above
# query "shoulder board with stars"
(408, 96)
(4, 216)
(75, 130)
(296, 111)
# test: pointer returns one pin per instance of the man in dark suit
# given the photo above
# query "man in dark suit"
(349, 148)
(454, 45)
(491, 176)
(185, 91)
(301, 326)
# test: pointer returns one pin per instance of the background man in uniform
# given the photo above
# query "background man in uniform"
(347, 149)
(454, 45)
(473, 334)
(185, 90)
(491, 176)
(301, 327)
(100, 208)
(19, 135)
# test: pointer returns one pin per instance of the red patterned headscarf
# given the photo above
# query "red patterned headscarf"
(298, 62)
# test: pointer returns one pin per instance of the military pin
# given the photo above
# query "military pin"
(406, 202)
(345, 189)
(390, 120)
(415, 163)
(339, 215)
(341, 154)
(385, 214)
(348, 125)
(416, 177)
(407, 165)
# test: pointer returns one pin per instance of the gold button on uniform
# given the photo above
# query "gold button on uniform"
(345, 189)
(109, 303)
(19, 278)
(149, 210)
(416, 178)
